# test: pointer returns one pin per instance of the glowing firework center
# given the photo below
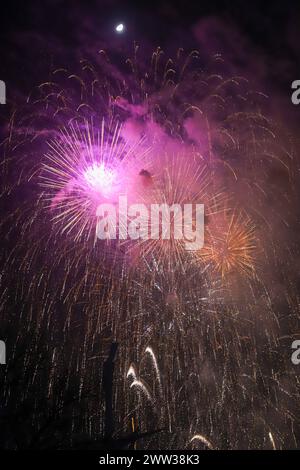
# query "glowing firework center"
(100, 178)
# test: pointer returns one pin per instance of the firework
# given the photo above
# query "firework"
(85, 167)
(231, 246)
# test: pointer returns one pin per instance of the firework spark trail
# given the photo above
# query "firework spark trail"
(131, 372)
(142, 387)
(149, 350)
(202, 439)
(272, 440)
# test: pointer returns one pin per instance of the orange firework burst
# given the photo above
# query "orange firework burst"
(230, 246)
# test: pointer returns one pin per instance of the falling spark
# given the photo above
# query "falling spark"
(131, 372)
(203, 439)
(142, 387)
(272, 441)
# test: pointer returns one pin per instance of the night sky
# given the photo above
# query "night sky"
(266, 28)
(260, 40)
